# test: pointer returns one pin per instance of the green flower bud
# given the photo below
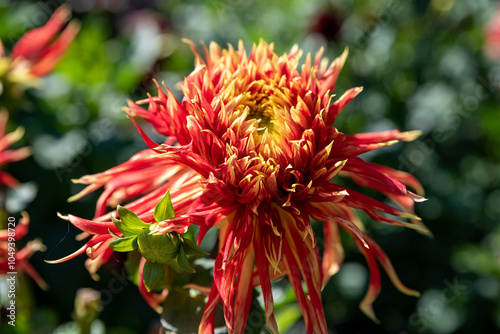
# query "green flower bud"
(159, 248)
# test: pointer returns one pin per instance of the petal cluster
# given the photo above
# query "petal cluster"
(14, 260)
(39, 50)
(252, 149)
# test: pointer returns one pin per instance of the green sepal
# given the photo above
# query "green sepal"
(113, 234)
(183, 262)
(175, 266)
(154, 276)
(126, 244)
(192, 248)
(129, 224)
(164, 209)
(159, 248)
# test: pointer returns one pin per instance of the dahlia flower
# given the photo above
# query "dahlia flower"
(38, 51)
(252, 151)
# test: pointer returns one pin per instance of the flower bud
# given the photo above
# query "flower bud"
(159, 248)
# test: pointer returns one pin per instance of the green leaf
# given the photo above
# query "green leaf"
(183, 262)
(159, 248)
(130, 224)
(154, 276)
(164, 209)
(126, 244)
(191, 248)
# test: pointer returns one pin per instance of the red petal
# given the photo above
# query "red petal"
(207, 325)
(389, 269)
(244, 289)
(333, 254)
(304, 256)
(53, 53)
(20, 230)
(35, 40)
(265, 282)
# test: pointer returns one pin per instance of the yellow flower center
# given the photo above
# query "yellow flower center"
(262, 105)
(262, 112)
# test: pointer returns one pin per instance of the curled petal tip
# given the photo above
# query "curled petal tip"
(38, 246)
(410, 135)
(27, 151)
(74, 26)
(55, 261)
(60, 215)
(422, 229)
(25, 216)
(43, 285)
(368, 310)
(415, 197)
(63, 13)
(410, 216)
(73, 198)
(428, 233)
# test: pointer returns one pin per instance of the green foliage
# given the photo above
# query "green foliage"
(125, 244)
(154, 276)
(160, 250)
(164, 209)
(130, 225)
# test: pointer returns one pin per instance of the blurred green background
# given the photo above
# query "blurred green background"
(422, 67)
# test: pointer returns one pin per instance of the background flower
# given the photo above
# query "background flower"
(36, 53)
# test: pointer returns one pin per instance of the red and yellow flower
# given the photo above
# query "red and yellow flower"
(39, 50)
(252, 150)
